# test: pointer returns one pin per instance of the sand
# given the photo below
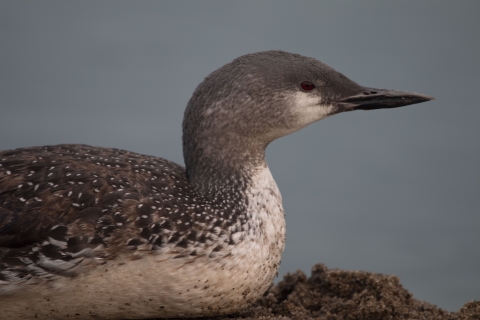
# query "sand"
(333, 294)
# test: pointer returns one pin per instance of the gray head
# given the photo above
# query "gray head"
(243, 106)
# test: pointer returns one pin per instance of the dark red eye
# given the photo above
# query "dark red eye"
(307, 85)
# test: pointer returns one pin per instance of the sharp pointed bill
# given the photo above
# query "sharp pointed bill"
(371, 99)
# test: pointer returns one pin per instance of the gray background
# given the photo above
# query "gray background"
(390, 191)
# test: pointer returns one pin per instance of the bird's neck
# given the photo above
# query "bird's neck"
(223, 164)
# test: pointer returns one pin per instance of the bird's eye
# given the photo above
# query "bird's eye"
(307, 85)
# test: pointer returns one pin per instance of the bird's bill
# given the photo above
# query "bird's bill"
(371, 99)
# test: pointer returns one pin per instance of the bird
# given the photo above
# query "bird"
(91, 232)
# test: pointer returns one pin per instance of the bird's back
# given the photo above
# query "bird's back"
(72, 214)
(62, 205)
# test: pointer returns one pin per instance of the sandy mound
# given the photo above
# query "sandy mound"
(336, 294)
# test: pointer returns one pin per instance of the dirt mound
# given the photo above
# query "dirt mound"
(336, 294)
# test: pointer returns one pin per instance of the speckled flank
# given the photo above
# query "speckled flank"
(118, 226)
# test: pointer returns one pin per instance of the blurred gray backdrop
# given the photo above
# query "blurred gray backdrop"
(389, 191)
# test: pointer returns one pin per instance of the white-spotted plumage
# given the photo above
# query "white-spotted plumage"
(236, 275)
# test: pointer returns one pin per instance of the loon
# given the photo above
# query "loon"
(89, 232)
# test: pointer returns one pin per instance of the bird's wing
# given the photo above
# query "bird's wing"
(70, 207)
